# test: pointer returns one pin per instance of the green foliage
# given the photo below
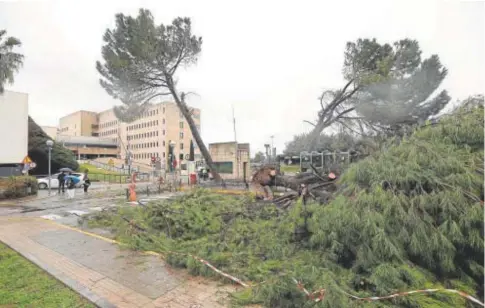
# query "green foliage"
(336, 142)
(16, 186)
(10, 62)
(417, 202)
(38, 152)
(367, 61)
(406, 218)
(258, 157)
(22, 284)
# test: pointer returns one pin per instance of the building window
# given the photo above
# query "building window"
(181, 135)
(157, 144)
(163, 143)
(156, 133)
(181, 124)
(181, 146)
(163, 109)
(163, 121)
(163, 132)
(181, 156)
(163, 154)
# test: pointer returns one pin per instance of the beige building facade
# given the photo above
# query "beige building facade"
(232, 160)
(148, 136)
(51, 131)
(79, 123)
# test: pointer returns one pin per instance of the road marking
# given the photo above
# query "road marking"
(51, 217)
(99, 209)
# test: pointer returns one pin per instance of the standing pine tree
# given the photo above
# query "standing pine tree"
(402, 91)
(140, 63)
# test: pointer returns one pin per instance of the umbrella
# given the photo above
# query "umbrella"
(65, 170)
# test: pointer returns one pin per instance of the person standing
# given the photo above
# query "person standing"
(87, 182)
(61, 180)
(71, 182)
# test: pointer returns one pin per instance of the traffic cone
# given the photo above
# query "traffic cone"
(132, 194)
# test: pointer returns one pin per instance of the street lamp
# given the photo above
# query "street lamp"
(49, 144)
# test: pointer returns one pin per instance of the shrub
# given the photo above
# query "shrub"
(17, 187)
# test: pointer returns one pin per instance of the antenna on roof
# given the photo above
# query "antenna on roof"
(234, 123)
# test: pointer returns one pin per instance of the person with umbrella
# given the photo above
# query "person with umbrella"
(71, 182)
(61, 179)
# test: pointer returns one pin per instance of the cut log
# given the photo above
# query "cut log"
(318, 186)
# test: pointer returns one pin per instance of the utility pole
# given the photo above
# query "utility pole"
(272, 147)
(235, 143)
(234, 124)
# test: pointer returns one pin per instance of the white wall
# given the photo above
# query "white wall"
(14, 117)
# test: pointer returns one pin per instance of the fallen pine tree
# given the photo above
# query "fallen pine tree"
(407, 218)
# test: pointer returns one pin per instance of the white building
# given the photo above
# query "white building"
(14, 123)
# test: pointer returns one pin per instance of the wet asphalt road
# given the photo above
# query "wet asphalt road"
(68, 211)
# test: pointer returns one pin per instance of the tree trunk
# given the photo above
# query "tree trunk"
(195, 133)
(315, 134)
(294, 182)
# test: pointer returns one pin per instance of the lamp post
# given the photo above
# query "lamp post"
(49, 144)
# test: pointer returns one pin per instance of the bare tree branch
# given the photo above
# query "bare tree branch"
(311, 123)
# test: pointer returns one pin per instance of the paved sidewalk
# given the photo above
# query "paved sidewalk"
(105, 274)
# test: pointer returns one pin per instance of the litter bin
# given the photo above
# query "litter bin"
(193, 178)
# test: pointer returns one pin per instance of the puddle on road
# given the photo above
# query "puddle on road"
(8, 210)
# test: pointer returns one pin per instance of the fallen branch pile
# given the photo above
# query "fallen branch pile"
(313, 185)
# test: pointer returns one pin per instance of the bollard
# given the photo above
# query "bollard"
(148, 192)
(127, 194)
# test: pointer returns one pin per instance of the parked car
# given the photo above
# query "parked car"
(43, 183)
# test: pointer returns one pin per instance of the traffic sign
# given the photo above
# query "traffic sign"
(33, 165)
(158, 159)
(187, 156)
(26, 160)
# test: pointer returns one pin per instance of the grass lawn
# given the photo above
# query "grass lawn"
(96, 174)
(94, 169)
(23, 284)
(290, 168)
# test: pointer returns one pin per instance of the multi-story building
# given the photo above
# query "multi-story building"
(79, 123)
(150, 135)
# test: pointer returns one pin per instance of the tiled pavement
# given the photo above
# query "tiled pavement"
(105, 274)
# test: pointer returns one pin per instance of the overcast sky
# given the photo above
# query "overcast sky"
(268, 59)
